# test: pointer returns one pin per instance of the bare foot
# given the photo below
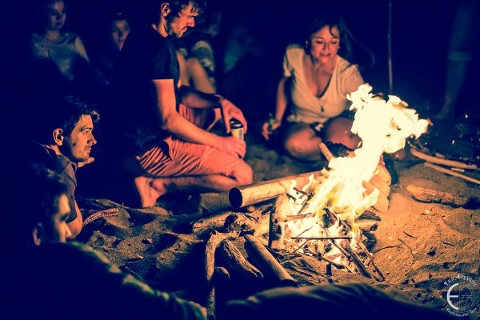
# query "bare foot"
(146, 191)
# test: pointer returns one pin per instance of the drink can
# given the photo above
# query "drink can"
(236, 128)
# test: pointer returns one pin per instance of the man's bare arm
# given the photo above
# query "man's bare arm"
(179, 126)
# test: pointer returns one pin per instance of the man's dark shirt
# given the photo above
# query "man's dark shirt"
(62, 165)
(133, 103)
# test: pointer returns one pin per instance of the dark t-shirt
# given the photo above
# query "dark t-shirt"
(146, 56)
(71, 281)
(40, 153)
(358, 301)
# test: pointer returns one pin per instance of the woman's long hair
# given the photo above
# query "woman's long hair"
(347, 41)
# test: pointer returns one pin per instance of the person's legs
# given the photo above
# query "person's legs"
(302, 143)
(151, 188)
(183, 166)
(338, 130)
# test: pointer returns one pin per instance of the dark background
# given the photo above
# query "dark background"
(420, 35)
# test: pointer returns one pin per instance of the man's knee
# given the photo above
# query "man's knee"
(243, 174)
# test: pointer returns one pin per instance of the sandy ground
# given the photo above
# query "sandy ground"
(419, 245)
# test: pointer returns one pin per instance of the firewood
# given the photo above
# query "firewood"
(209, 265)
(442, 161)
(277, 224)
(450, 172)
(382, 203)
(366, 225)
(325, 151)
(350, 253)
(372, 214)
(271, 267)
(237, 263)
(381, 180)
(377, 274)
(383, 173)
(203, 226)
(240, 222)
(266, 190)
(378, 182)
(430, 195)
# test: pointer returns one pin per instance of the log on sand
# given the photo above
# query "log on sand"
(263, 191)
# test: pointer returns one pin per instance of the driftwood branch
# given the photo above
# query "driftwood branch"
(430, 195)
(451, 172)
(442, 161)
(209, 262)
(205, 225)
(271, 266)
(237, 263)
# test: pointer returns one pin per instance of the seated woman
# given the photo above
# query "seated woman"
(317, 78)
(195, 75)
(60, 54)
(105, 56)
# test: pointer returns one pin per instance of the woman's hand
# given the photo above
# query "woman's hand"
(268, 128)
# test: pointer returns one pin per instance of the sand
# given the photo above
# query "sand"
(419, 246)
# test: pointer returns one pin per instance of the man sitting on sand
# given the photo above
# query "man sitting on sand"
(51, 279)
(158, 125)
(62, 141)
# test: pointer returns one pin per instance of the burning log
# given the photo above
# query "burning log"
(430, 195)
(277, 224)
(382, 185)
(381, 180)
(378, 275)
(237, 262)
(323, 238)
(366, 226)
(271, 267)
(451, 172)
(382, 203)
(263, 191)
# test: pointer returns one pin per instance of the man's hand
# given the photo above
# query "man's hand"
(84, 163)
(229, 111)
(234, 146)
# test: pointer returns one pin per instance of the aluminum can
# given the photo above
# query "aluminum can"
(236, 128)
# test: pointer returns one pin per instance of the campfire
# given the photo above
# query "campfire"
(310, 228)
(320, 218)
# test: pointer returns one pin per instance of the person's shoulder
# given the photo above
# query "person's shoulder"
(344, 65)
(74, 252)
(294, 47)
(294, 50)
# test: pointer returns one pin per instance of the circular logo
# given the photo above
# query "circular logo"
(461, 295)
